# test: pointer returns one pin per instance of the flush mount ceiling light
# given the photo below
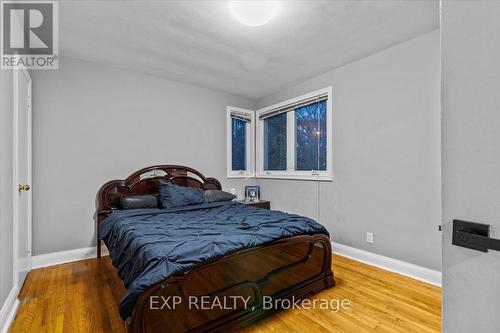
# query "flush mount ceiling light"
(254, 13)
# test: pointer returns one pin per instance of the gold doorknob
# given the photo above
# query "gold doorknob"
(24, 188)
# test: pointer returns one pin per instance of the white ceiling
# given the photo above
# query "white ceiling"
(199, 42)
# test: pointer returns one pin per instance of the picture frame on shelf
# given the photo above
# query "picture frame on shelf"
(252, 193)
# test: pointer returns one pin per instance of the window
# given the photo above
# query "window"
(294, 139)
(240, 147)
(238, 144)
(275, 142)
(310, 137)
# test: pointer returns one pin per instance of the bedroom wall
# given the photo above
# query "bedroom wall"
(471, 161)
(386, 121)
(6, 211)
(93, 123)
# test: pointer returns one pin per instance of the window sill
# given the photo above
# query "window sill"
(240, 175)
(309, 177)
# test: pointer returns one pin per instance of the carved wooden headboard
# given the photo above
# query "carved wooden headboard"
(147, 181)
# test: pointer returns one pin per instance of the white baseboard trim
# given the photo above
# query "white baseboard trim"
(57, 258)
(394, 265)
(8, 311)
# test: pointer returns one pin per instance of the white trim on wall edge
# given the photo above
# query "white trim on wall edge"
(57, 258)
(8, 311)
(394, 265)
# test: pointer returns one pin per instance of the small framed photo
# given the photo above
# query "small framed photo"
(252, 193)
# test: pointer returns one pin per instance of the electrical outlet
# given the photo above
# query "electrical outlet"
(369, 237)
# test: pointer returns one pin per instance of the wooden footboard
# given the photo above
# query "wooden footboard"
(237, 289)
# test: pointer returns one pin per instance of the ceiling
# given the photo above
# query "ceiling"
(199, 42)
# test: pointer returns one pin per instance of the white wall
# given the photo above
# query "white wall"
(471, 161)
(93, 123)
(386, 121)
(6, 204)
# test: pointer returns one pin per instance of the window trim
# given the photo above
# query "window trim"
(250, 144)
(290, 173)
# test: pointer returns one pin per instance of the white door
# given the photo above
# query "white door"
(22, 176)
(470, 41)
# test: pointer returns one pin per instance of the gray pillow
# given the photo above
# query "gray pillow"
(217, 195)
(139, 201)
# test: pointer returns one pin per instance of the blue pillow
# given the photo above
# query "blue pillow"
(172, 195)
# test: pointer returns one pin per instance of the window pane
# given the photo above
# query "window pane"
(238, 145)
(275, 142)
(310, 137)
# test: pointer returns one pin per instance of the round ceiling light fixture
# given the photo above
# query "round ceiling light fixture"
(254, 13)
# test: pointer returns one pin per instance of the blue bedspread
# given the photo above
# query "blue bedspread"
(149, 245)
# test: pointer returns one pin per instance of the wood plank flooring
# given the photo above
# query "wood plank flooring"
(83, 297)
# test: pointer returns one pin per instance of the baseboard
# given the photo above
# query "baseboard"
(57, 258)
(8, 311)
(394, 265)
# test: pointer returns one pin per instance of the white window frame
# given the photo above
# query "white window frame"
(250, 144)
(290, 173)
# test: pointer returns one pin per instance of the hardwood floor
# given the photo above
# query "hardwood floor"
(83, 297)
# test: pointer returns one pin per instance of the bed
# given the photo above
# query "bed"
(179, 264)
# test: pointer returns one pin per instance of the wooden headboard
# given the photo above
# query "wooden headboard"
(147, 181)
